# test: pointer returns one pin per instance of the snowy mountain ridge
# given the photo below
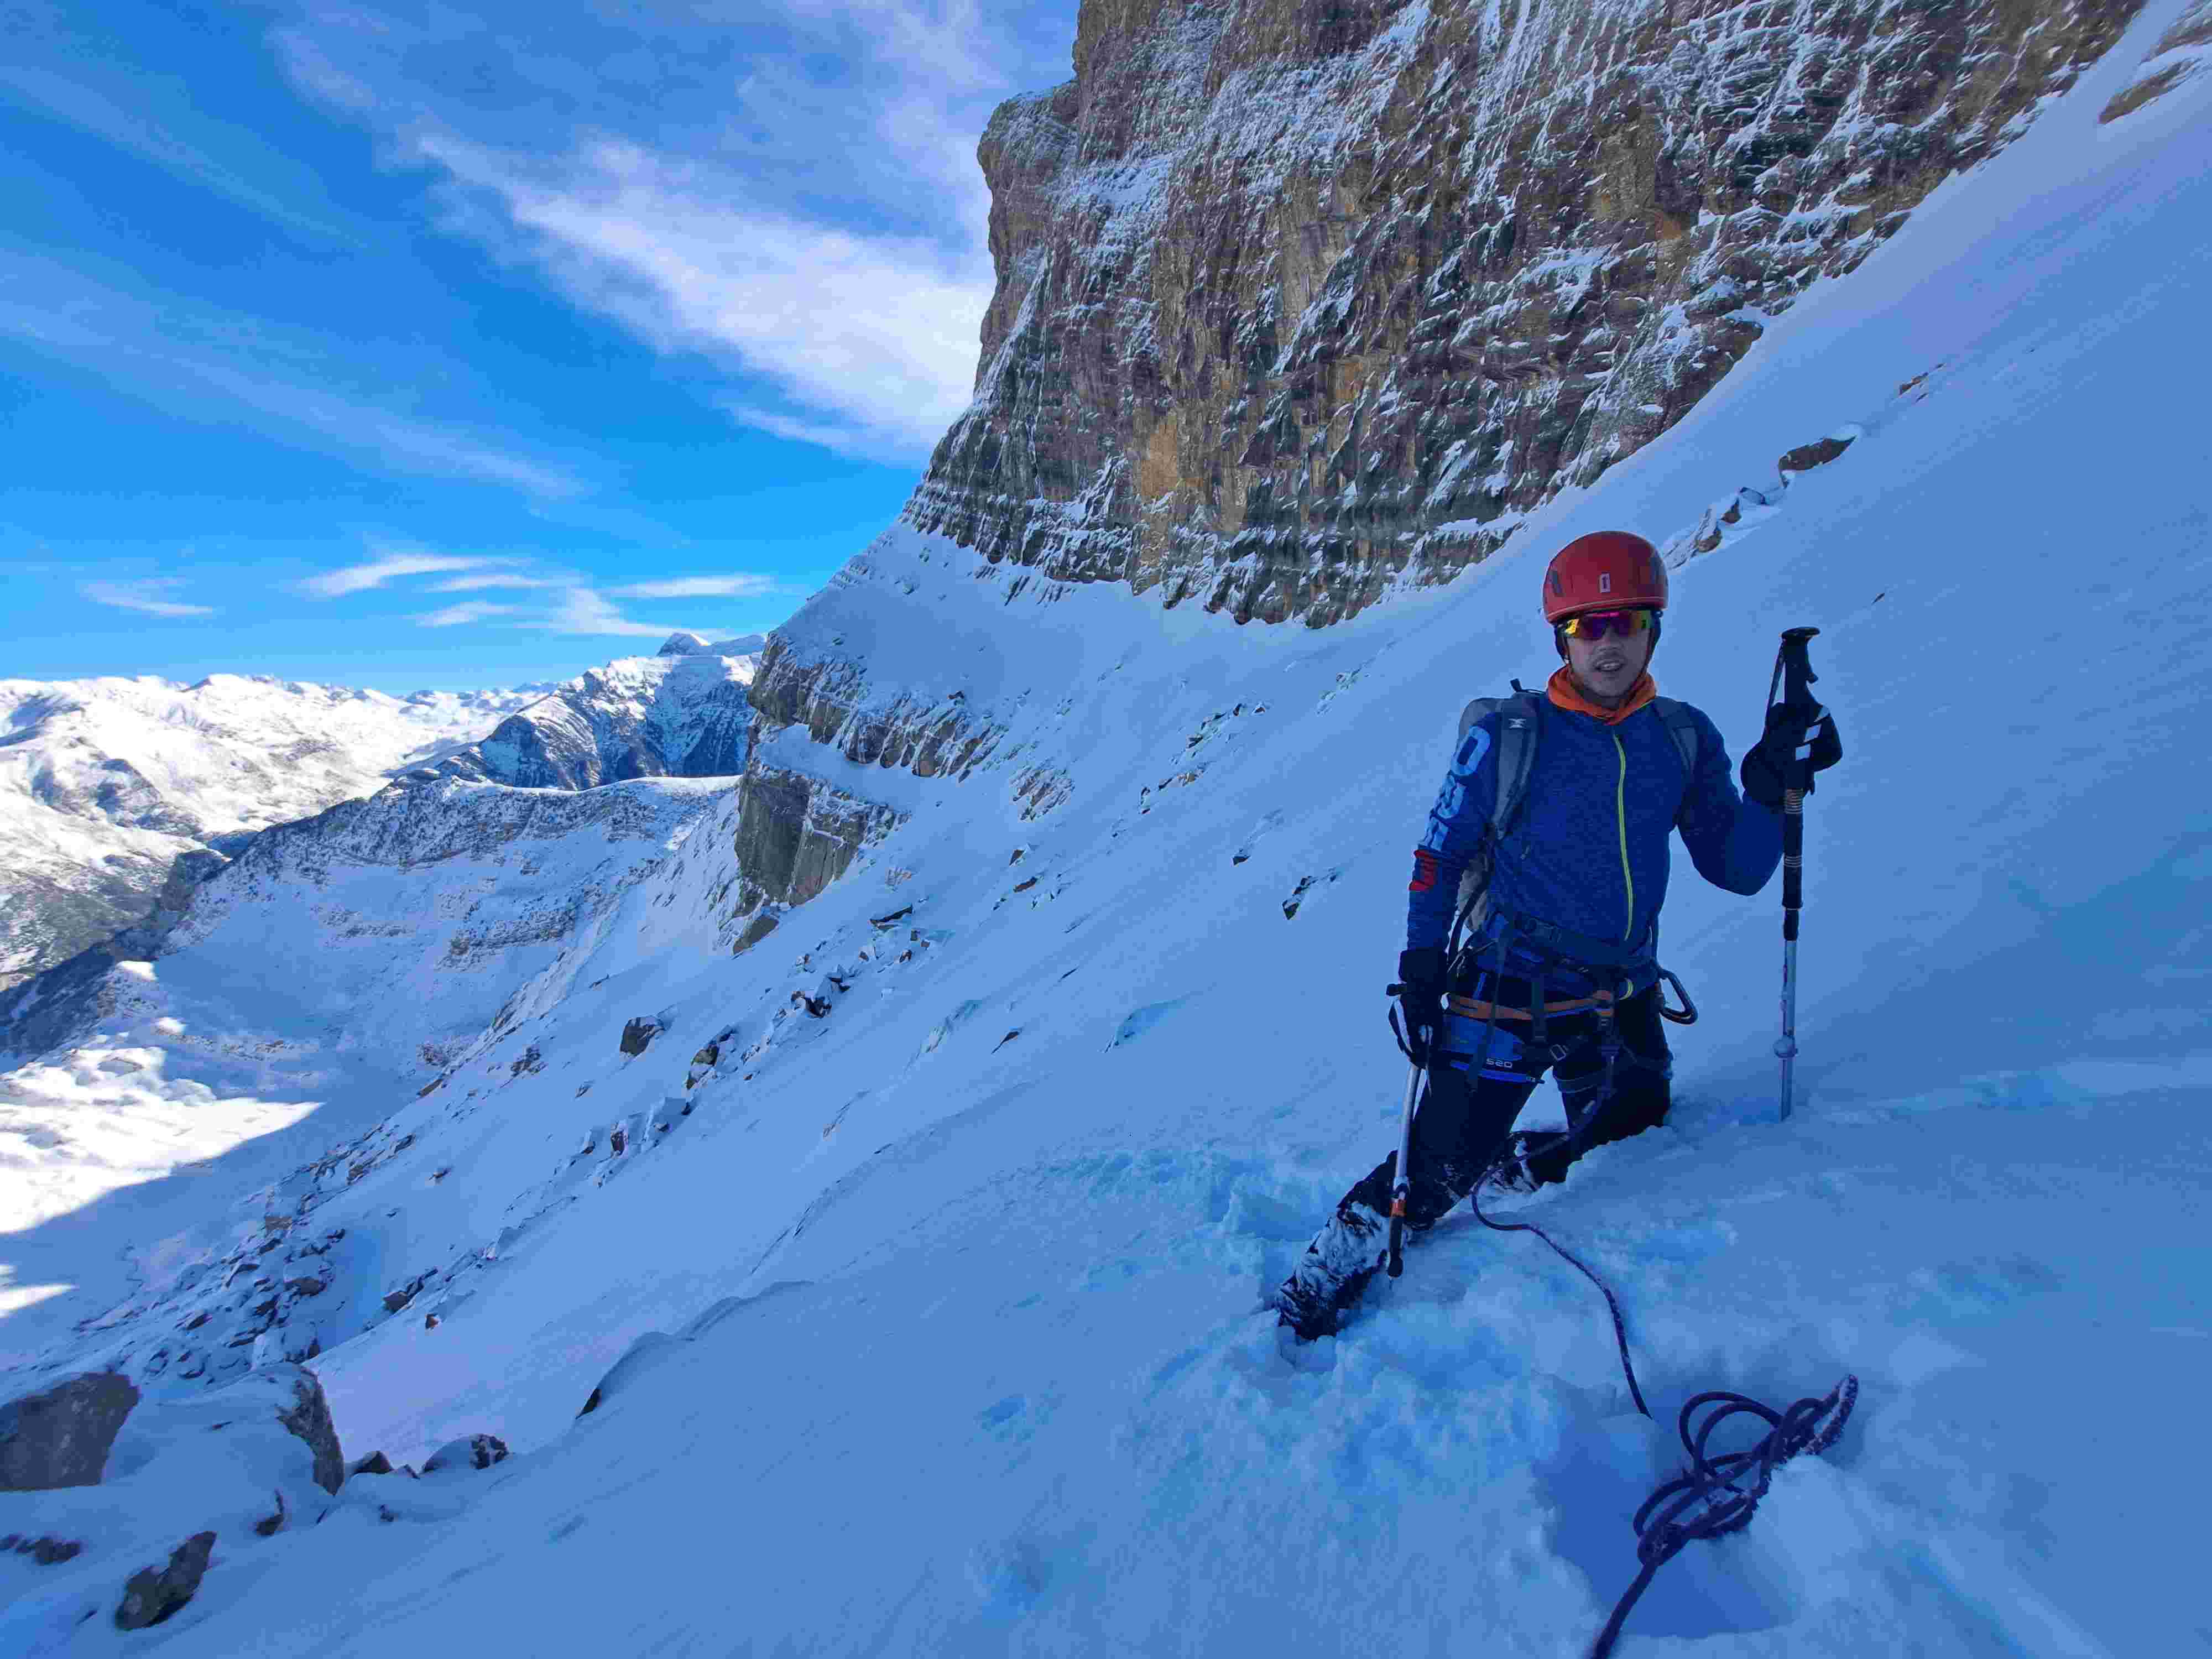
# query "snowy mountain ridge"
(682, 713)
(914, 1254)
(104, 783)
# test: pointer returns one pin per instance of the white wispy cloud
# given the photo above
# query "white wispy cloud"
(585, 611)
(876, 334)
(144, 596)
(474, 610)
(140, 130)
(784, 188)
(698, 587)
(206, 364)
(484, 579)
(385, 566)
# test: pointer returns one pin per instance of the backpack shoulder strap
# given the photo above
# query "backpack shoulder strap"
(1517, 735)
(1519, 727)
(1682, 723)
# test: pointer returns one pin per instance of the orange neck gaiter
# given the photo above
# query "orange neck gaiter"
(1565, 694)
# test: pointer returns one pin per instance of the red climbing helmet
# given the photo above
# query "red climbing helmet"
(1607, 570)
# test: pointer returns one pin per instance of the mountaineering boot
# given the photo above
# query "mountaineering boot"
(1515, 1170)
(1333, 1271)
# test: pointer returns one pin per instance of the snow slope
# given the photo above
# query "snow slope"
(104, 783)
(342, 964)
(957, 1284)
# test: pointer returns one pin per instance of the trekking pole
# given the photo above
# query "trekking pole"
(1793, 673)
(1403, 1185)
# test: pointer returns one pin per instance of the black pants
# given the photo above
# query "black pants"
(1471, 1100)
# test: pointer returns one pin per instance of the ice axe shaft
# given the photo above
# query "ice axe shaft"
(1793, 677)
(1402, 1185)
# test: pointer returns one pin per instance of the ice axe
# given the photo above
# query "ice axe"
(1794, 677)
(1395, 1261)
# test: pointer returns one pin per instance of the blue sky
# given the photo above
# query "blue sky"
(403, 346)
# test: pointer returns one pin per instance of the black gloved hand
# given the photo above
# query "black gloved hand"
(1800, 740)
(1420, 993)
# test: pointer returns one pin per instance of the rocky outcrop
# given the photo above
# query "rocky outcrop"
(912, 732)
(307, 1419)
(796, 834)
(1297, 300)
(60, 1436)
(154, 1594)
(471, 1451)
(242, 1463)
(2184, 50)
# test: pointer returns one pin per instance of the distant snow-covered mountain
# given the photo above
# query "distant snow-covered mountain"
(680, 713)
(118, 796)
(105, 783)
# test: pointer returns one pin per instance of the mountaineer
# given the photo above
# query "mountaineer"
(1548, 842)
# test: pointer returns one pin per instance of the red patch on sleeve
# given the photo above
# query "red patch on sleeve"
(1424, 871)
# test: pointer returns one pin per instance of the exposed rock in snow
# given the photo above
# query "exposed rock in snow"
(60, 1436)
(2184, 50)
(797, 834)
(236, 1465)
(471, 1451)
(155, 1593)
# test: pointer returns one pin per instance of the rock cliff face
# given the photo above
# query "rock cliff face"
(1299, 300)
(795, 836)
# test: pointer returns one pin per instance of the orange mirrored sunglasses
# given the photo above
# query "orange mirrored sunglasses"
(1597, 624)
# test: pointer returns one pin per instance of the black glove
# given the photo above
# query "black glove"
(1800, 740)
(1420, 993)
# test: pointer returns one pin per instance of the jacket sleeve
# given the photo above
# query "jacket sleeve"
(1457, 824)
(1736, 843)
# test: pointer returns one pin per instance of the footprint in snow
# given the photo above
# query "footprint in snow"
(1143, 1019)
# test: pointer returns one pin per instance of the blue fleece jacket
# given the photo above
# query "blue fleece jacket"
(1591, 853)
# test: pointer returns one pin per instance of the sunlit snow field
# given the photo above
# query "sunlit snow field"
(971, 1358)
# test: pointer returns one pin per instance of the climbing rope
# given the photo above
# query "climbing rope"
(1710, 1498)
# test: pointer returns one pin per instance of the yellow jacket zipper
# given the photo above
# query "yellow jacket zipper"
(1620, 814)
